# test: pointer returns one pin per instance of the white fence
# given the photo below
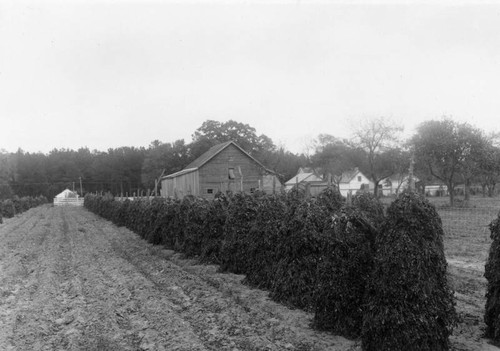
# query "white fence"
(68, 201)
(132, 198)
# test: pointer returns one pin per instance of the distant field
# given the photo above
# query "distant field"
(466, 221)
(475, 201)
(467, 243)
(466, 228)
(444, 201)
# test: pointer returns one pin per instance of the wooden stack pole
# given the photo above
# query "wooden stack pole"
(241, 179)
(411, 178)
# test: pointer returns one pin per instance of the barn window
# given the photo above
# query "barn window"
(359, 178)
(231, 173)
(210, 191)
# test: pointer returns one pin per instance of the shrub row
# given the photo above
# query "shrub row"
(409, 303)
(193, 226)
(350, 265)
(10, 207)
(492, 274)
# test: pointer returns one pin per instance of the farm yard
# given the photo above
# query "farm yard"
(70, 280)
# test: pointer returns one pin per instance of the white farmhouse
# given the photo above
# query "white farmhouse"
(353, 181)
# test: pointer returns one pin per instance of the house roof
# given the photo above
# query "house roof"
(207, 156)
(305, 170)
(401, 177)
(396, 177)
(301, 177)
(349, 175)
(65, 193)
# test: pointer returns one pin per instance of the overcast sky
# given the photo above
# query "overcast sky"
(106, 74)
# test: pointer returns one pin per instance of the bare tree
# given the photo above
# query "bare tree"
(379, 138)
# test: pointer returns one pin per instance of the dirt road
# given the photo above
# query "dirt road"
(72, 281)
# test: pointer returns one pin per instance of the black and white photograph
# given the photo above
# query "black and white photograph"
(249, 175)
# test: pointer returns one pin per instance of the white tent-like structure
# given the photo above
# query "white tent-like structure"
(68, 198)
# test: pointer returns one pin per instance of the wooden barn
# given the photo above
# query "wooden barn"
(225, 167)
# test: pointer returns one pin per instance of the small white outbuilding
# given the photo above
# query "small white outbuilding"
(68, 197)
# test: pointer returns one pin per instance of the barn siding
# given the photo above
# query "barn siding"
(215, 173)
(271, 183)
(180, 186)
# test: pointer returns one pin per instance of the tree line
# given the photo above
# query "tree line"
(131, 170)
(443, 150)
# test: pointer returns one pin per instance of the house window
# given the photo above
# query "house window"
(210, 191)
(231, 173)
(359, 178)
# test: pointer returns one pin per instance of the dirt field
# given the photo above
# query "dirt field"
(72, 281)
(467, 242)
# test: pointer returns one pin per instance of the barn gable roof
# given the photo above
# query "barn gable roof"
(210, 154)
(176, 174)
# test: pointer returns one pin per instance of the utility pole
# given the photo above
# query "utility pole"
(411, 178)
